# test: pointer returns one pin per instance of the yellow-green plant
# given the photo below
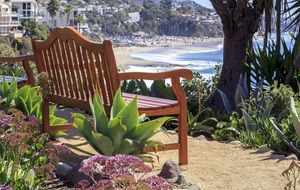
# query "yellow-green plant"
(28, 99)
(123, 133)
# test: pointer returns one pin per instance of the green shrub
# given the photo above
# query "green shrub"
(125, 132)
(27, 99)
(27, 158)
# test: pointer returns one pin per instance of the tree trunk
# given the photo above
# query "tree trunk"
(268, 22)
(52, 23)
(278, 26)
(235, 53)
(68, 20)
(240, 22)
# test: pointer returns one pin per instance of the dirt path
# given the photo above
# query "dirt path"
(218, 166)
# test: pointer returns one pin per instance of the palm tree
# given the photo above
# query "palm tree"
(68, 10)
(79, 19)
(52, 8)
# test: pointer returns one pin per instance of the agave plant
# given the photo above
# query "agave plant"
(124, 132)
(28, 99)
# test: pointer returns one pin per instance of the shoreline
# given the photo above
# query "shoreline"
(124, 55)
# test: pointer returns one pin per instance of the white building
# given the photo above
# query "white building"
(9, 21)
(26, 9)
(134, 17)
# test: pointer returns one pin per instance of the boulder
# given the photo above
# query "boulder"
(170, 170)
(181, 180)
(74, 175)
(62, 169)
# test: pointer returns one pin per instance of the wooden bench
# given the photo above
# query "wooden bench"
(78, 67)
(24, 60)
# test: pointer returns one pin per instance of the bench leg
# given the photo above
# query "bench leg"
(45, 116)
(182, 137)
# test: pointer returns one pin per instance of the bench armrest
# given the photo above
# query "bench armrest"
(24, 59)
(177, 73)
(174, 75)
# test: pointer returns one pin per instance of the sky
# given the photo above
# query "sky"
(205, 3)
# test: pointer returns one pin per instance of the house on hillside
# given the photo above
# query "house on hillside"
(12, 12)
(9, 21)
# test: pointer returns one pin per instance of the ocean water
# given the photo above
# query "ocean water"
(202, 61)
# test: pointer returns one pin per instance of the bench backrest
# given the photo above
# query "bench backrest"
(76, 68)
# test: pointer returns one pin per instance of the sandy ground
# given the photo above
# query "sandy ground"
(212, 165)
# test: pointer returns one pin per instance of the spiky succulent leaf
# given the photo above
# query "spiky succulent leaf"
(146, 130)
(127, 147)
(130, 115)
(99, 142)
(118, 104)
(100, 117)
(116, 131)
(4, 87)
(248, 120)
(13, 90)
(103, 143)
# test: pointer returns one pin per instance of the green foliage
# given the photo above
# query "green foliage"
(157, 89)
(123, 133)
(197, 91)
(27, 99)
(269, 66)
(10, 68)
(228, 130)
(34, 29)
(196, 127)
(27, 158)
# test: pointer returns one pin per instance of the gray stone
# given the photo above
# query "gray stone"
(62, 169)
(236, 143)
(181, 179)
(74, 175)
(169, 170)
(292, 157)
(277, 157)
(201, 137)
(195, 187)
(263, 149)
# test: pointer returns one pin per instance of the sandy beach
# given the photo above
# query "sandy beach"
(124, 54)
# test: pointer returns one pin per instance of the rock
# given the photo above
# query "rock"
(236, 143)
(277, 157)
(74, 175)
(292, 157)
(201, 137)
(195, 187)
(170, 170)
(181, 179)
(263, 149)
(62, 169)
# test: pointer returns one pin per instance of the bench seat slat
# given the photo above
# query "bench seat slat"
(150, 102)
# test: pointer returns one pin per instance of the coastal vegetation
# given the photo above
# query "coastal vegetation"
(253, 98)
